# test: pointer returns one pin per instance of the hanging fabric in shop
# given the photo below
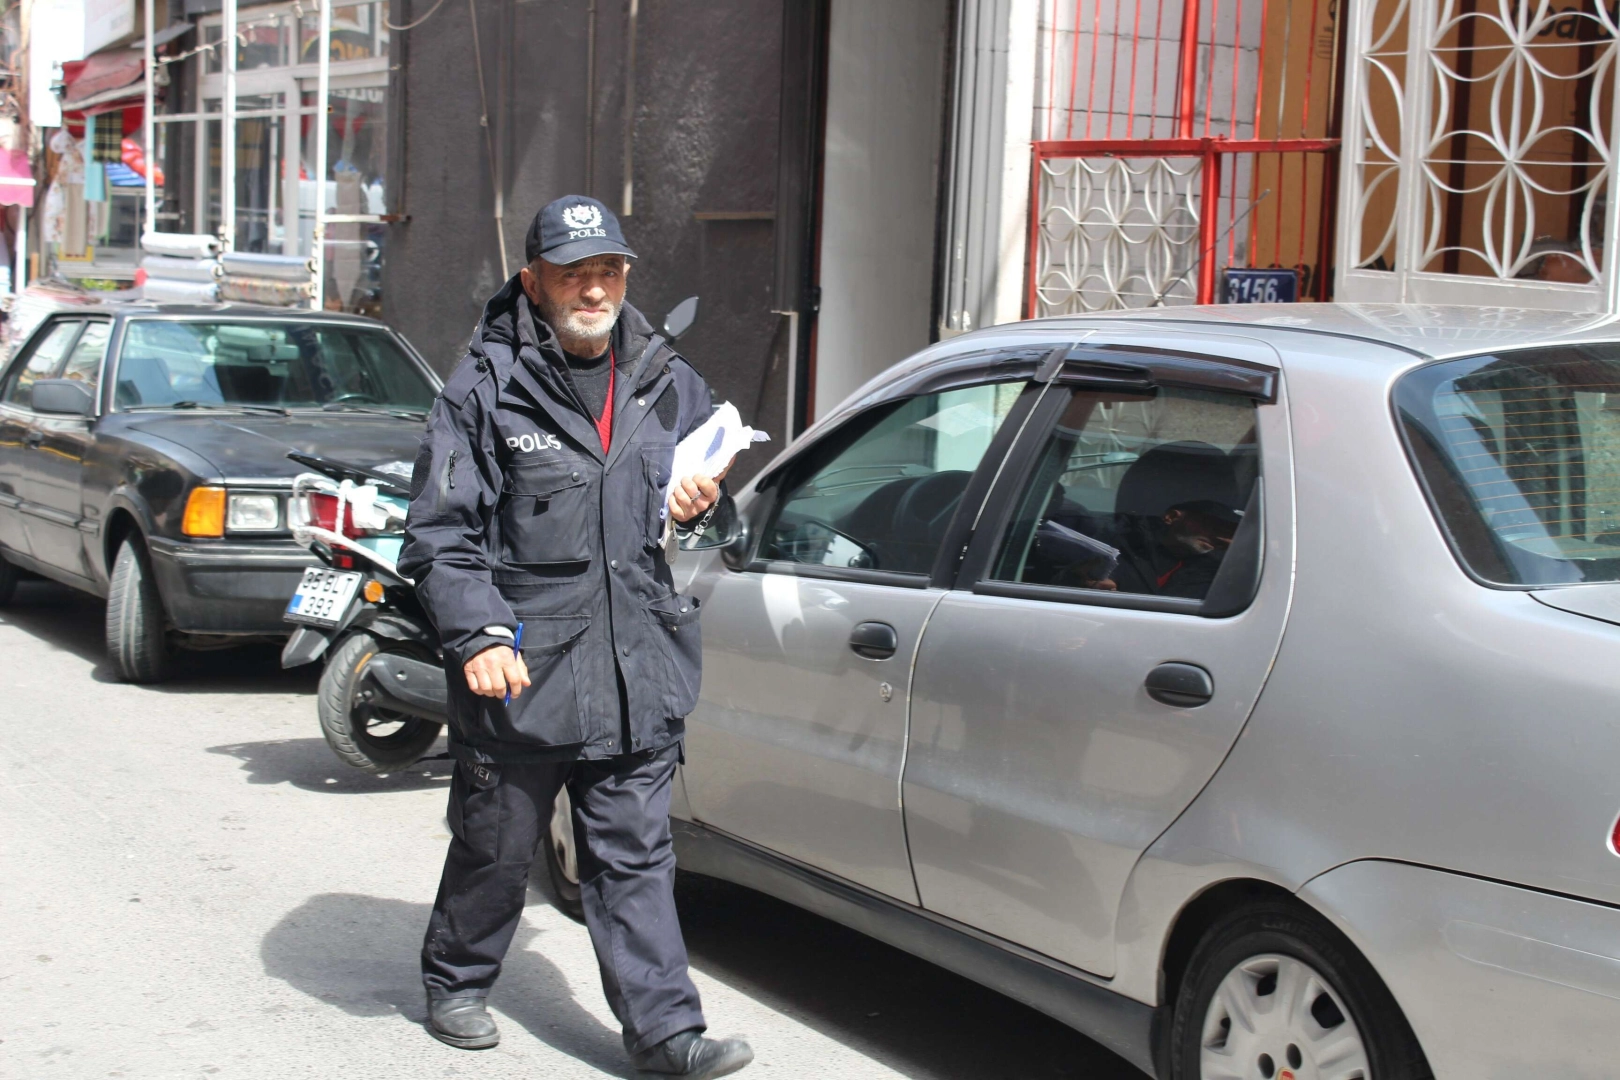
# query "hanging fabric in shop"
(109, 137)
(250, 144)
(66, 215)
(95, 173)
(75, 221)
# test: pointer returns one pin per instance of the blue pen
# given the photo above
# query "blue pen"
(517, 646)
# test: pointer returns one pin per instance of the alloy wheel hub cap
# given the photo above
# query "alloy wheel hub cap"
(1275, 1018)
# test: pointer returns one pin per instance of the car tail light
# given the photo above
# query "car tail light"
(205, 512)
(1614, 837)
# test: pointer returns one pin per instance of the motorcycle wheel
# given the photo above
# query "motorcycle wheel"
(370, 738)
(561, 857)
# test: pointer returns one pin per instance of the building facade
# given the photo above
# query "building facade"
(844, 181)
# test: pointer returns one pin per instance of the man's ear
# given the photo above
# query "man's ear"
(531, 284)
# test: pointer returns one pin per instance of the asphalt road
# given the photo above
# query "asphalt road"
(193, 886)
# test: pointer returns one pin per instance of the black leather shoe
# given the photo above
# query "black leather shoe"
(462, 1022)
(690, 1055)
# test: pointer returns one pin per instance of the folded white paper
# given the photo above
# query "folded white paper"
(707, 450)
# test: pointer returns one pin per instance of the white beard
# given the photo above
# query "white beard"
(568, 323)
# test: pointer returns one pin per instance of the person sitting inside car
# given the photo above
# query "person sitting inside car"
(1176, 554)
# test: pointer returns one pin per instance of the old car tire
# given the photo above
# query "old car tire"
(136, 640)
(351, 724)
(8, 581)
(1270, 956)
(558, 861)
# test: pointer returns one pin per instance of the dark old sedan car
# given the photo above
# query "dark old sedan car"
(144, 458)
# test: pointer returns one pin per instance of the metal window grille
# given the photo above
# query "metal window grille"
(1481, 153)
(1180, 137)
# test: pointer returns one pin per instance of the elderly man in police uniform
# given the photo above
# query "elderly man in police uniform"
(535, 538)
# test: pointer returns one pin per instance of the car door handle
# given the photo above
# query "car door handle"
(33, 438)
(1183, 686)
(874, 640)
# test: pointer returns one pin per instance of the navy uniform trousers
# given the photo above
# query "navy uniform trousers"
(498, 816)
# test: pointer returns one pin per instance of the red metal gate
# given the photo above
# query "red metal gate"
(1154, 172)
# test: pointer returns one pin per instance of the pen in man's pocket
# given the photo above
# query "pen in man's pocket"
(517, 651)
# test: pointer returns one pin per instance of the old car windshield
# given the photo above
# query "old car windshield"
(1520, 455)
(284, 364)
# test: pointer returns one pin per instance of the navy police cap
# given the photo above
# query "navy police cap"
(572, 228)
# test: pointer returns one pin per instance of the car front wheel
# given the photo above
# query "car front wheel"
(561, 857)
(136, 639)
(1276, 993)
(8, 581)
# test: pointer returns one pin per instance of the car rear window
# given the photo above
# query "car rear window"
(289, 364)
(1520, 456)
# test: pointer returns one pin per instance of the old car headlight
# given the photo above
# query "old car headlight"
(252, 513)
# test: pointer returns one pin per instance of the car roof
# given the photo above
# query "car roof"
(1432, 331)
(1407, 335)
(143, 309)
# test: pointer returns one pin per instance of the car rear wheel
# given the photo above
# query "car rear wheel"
(365, 735)
(561, 857)
(137, 642)
(1276, 993)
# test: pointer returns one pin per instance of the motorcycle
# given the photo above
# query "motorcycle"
(383, 699)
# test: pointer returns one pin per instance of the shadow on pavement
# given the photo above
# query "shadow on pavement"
(73, 621)
(358, 953)
(915, 1017)
(311, 765)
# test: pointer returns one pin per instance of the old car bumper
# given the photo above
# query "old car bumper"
(1497, 981)
(226, 586)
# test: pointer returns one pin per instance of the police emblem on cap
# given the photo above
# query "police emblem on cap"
(583, 216)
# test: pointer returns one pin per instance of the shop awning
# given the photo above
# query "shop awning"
(102, 79)
(163, 36)
(16, 178)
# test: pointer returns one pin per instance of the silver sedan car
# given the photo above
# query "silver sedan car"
(1240, 686)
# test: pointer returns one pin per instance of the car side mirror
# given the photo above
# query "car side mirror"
(680, 318)
(68, 396)
(727, 530)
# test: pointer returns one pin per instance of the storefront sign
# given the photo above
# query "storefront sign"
(106, 21)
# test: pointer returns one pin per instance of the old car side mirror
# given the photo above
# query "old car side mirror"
(680, 318)
(68, 396)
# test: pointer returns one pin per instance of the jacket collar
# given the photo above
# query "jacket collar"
(531, 369)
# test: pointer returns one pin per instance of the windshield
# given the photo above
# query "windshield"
(262, 363)
(1520, 455)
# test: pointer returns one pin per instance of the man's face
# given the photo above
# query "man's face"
(1189, 532)
(580, 300)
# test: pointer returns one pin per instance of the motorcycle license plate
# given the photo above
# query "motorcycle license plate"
(322, 597)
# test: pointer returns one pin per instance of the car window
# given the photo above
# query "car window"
(882, 499)
(1520, 458)
(262, 362)
(42, 362)
(84, 363)
(1134, 493)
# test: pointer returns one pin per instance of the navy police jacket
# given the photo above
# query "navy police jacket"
(517, 515)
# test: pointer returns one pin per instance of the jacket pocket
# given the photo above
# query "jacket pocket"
(655, 464)
(675, 624)
(545, 514)
(548, 712)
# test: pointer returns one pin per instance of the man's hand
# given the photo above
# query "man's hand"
(695, 494)
(493, 670)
